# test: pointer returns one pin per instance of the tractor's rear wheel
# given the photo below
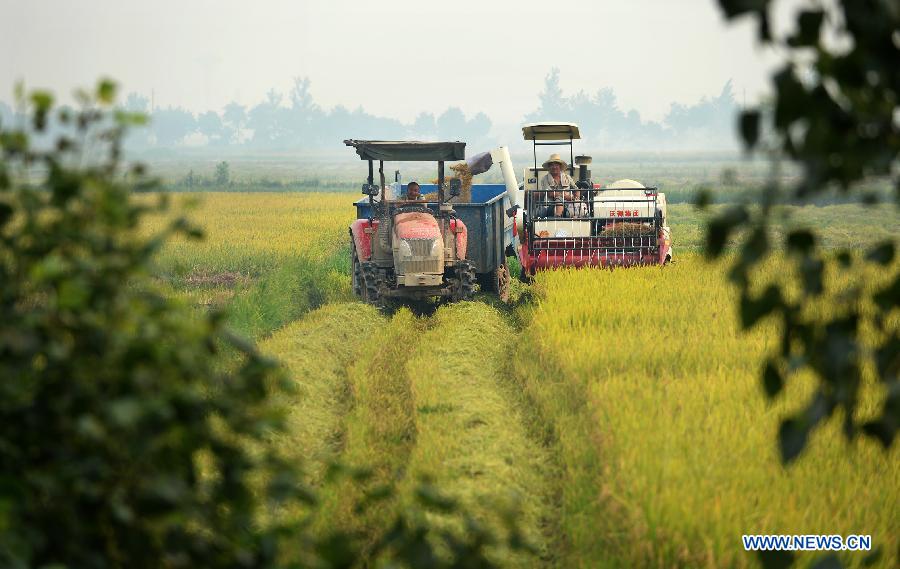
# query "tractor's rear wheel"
(496, 282)
(463, 281)
(355, 271)
(503, 279)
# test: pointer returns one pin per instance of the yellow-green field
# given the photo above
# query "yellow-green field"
(616, 415)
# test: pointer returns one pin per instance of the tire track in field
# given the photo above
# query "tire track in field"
(472, 435)
(408, 397)
(380, 432)
(317, 352)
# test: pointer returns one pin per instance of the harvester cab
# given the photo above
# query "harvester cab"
(590, 225)
(404, 248)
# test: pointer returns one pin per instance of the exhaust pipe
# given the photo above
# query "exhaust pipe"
(583, 162)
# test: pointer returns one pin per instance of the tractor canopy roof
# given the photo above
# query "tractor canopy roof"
(551, 131)
(408, 151)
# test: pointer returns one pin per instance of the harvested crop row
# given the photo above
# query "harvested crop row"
(380, 430)
(317, 352)
(471, 437)
(667, 443)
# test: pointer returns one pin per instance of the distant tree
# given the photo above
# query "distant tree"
(223, 175)
(301, 98)
(834, 113)
(710, 119)
(171, 125)
(266, 120)
(302, 120)
(210, 125)
(234, 120)
(552, 101)
(451, 124)
(424, 126)
(137, 103)
(478, 127)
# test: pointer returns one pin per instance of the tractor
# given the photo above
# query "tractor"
(409, 249)
(620, 224)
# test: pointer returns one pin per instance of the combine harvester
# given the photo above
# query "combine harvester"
(414, 249)
(622, 224)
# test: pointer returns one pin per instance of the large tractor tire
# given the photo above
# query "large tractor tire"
(371, 284)
(463, 281)
(355, 270)
(497, 282)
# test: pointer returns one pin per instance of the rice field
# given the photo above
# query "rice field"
(616, 416)
(669, 442)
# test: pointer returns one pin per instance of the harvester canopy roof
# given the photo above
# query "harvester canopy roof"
(408, 151)
(551, 131)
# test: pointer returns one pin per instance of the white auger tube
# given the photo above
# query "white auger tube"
(501, 156)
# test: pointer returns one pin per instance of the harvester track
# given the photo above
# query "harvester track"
(428, 396)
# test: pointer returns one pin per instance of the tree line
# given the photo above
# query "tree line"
(295, 122)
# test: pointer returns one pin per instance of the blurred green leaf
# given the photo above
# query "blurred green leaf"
(829, 561)
(703, 198)
(801, 241)
(773, 381)
(808, 24)
(754, 309)
(106, 91)
(749, 126)
(775, 559)
(792, 438)
(42, 102)
(882, 253)
(721, 227)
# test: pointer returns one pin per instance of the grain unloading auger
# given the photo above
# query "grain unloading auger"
(621, 224)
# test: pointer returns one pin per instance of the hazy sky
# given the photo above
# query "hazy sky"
(395, 58)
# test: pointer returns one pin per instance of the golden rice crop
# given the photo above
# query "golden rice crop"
(667, 442)
(248, 233)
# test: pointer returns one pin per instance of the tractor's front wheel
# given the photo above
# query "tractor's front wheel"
(463, 281)
(371, 283)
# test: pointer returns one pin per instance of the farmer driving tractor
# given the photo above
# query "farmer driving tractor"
(557, 185)
(413, 192)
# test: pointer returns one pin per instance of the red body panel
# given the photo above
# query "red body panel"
(362, 231)
(462, 237)
(416, 225)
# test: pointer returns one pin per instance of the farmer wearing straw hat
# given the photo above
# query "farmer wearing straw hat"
(555, 183)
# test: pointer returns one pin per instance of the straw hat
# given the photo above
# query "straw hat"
(556, 158)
